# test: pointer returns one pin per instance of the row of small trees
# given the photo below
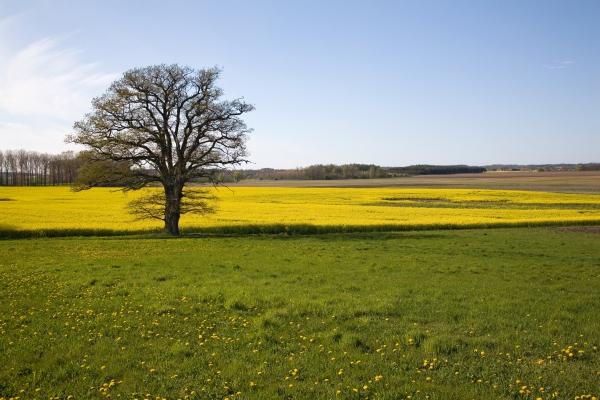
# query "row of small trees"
(30, 168)
(318, 172)
(348, 171)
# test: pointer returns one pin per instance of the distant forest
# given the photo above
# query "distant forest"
(349, 171)
(30, 168)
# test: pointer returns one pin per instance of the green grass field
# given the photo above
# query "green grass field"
(473, 314)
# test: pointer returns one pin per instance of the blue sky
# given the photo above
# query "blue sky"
(391, 83)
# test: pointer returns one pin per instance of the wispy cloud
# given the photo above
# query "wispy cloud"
(559, 64)
(45, 79)
(44, 87)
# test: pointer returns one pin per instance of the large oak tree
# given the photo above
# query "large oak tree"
(172, 125)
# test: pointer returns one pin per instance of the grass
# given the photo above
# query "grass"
(471, 314)
(57, 211)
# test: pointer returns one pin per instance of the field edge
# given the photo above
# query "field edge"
(290, 229)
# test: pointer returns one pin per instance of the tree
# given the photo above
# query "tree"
(93, 172)
(172, 125)
(2, 166)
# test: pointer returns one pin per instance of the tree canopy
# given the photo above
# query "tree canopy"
(171, 124)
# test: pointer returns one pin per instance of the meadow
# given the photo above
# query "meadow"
(469, 314)
(58, 211)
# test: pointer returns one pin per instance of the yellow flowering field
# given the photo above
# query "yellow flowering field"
(58, 208)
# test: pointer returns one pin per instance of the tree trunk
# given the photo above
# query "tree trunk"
(172, 210)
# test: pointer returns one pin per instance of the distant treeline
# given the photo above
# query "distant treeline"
(331, 171)
(348, 171)
(588, 167)
(30, 168)
(435, 170)
(544, 167)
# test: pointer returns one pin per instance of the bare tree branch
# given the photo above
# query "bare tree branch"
(170, 125)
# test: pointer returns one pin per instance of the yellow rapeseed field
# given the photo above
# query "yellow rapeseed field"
(59, 208)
